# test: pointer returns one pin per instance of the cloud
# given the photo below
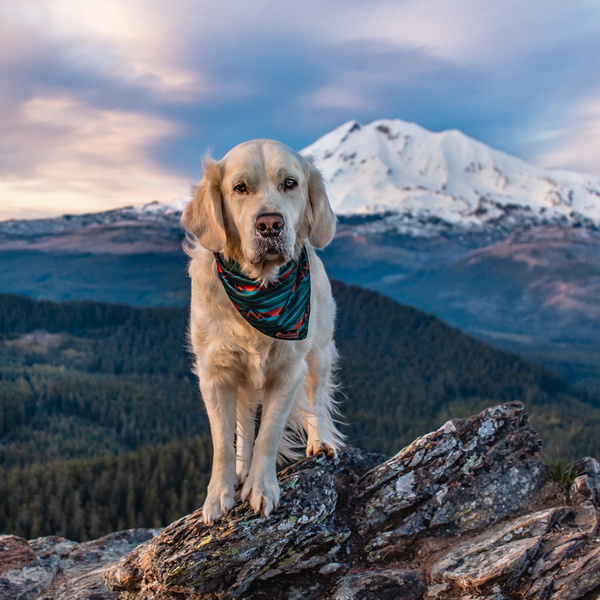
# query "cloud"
(116, 40)
(577, 145)
(168, 81)
(337, 97)
(67, 156)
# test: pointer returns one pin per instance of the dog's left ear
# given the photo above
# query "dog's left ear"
(322, 218)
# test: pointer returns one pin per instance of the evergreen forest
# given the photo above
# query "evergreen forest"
(102, 427)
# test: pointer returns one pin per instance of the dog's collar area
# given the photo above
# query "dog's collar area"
(280, 309)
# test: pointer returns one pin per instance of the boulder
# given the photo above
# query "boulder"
(15, 553)
(53, 568)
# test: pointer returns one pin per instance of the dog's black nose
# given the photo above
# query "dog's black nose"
(269, 224)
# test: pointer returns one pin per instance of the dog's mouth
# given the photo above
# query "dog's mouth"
(271, 248)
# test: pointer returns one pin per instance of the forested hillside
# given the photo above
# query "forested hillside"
(92, 378)
(405, 372)
(85, 499)
(82, 383)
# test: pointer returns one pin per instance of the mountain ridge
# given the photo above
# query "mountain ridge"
(392, 165)
(399, 169)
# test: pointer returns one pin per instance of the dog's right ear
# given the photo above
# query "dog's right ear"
(203, 216)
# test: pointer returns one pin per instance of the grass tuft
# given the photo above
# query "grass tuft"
(563, 471)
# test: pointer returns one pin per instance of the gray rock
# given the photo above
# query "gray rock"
(587, 485)
(242, 548)
(457, 481)
(387, 584)
(502, 553)
(579, 578)
(15, 553)
(468, 475)
(436, 590)
(574, 534)
(53, 568)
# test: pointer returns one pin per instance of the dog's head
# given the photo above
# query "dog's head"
(258, 205)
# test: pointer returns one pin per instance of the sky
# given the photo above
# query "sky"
(107, 103)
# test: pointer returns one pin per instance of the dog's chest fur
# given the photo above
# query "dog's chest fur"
(226, 346)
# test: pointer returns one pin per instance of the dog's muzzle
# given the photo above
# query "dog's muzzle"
(270, 240)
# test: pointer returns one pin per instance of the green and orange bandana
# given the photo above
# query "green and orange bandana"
(280, 309)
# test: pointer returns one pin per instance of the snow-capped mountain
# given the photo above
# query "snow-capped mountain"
(419, 183)
(392, 165)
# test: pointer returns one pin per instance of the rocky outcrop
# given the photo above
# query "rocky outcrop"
(466, 512)
(53, 568)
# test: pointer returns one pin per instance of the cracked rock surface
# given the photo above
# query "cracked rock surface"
(463, 513)
(53, 568)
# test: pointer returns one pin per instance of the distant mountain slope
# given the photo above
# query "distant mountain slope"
(399, 166)
(505, 250)
(537, 292)
(119, 377)
(134, 279)
(151, 228)
(406, 372)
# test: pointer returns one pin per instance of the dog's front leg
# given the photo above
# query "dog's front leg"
(220, 401)
(261, 487)
(246, 428)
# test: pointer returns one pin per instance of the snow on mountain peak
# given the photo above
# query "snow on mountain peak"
(392, 165)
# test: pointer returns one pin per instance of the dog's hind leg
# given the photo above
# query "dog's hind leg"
(322, 434)
(245, 431)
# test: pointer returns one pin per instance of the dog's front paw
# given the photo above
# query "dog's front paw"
(220, 499)
(262, 491)
(315, 446)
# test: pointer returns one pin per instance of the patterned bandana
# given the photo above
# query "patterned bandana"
(280, 309)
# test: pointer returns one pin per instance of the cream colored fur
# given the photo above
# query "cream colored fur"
(238, 367)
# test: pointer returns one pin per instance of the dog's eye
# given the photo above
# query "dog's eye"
(290, 184)
(241, 188)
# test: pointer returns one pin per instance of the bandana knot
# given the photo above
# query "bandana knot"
(280, 309)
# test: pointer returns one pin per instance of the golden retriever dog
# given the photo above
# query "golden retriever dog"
(257, 215)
